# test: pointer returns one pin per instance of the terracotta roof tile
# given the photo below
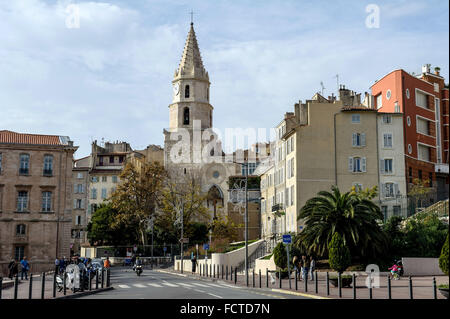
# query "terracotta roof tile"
(9, 137)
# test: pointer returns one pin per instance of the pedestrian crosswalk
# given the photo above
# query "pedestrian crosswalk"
(162, 284)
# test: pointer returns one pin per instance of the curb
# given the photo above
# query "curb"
(283, 291)
(85, 293)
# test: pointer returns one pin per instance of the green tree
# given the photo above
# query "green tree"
(339, 254)
(137, 196)
(395, 237)
(443, 259)
(279, 256)
(355, 217)
(223, 227)
(102, 232)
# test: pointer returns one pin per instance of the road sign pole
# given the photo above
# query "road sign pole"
(289, 268)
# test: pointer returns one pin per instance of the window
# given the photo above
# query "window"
(104, 178)
(421, 99)
(423, 153)
(100, 161)
(386, 166)
(410, 174)
(408, 120)
(387, 118)
(22, 201)
(397, 210)
(186, 116)
(103, 193)
(114, 179)
(79, 189)
(287, 201)
(20, 230)
(186, 91)
(436, 87)
(422, 126)
(79, 175)
(357, 164)
(358, 187)
(24, 164)
(94, 193)
(292, 195)
(384, 210)
(397, 108)
(420, 174)
(94, 179)
(359, 139)
(387, 140)
(0, 163)
(19, 252)
(356, 118)
(121, 159)
(388, 94)
(46, 201)
(389, 190)
(407, 93)
(48, 165)
(77, 220)
(430, 178)
(111, 159)
(409, 148)
(379, 100)
(78, 204)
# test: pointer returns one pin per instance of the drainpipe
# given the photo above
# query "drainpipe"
(335, 152)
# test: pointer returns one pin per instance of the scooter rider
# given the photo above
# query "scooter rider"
(137, 263)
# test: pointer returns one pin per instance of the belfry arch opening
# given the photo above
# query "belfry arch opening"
(215, 198)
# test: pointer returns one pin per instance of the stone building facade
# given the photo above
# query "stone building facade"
(35, 198)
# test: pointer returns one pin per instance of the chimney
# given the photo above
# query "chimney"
(426, 68)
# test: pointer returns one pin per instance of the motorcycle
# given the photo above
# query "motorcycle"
(138, 269)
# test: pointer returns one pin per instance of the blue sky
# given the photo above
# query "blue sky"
(111, 78)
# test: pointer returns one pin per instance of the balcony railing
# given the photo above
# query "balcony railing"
(277, 207)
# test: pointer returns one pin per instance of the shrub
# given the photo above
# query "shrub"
(280, 257)
(339, 254)
(443, 259)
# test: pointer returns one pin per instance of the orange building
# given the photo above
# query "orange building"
(423, 100)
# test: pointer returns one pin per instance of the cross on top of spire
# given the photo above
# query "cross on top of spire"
(192, 16)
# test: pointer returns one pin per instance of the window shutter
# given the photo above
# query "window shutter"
(395, 189)
(82, 203)
(74, 203)
(350, 164)
(383, 190)
(363, 139)
(354, 139)
(363, 164)
(75, 188)
(382, 166)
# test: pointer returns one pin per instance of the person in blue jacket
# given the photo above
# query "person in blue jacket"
(25, 268)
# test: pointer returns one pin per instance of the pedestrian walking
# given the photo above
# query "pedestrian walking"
(25, 268)
(194, 263)
(302, 267)
(62, 265)
(13, 269)
(305, 267)
(56, 265)
(295, 263)
(312, 266)
(106, 263)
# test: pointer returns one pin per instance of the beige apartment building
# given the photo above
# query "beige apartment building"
(329, 142)
(80, 216)
(35, 198)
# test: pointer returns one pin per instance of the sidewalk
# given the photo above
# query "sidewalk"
(422, 286)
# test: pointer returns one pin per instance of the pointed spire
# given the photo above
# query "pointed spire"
(191, 60)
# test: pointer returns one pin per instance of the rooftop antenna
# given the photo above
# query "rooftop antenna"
(337, 83)
(323, 88)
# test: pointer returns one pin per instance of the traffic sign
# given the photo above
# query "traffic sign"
(135, 248)
(287, 239)
(205, 246)
(184, 240)
(165, 249)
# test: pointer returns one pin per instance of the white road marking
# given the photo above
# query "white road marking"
(229, 286)
(154, 285)
(139, 285)
(214, 285)
(200, 291)
(169, 284)
(124, 286)
(200, 285)
(183, 284)
(215, 296)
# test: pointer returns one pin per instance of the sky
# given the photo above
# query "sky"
(107, 75)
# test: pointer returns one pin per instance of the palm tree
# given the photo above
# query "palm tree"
(353, 216)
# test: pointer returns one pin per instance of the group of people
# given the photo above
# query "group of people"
(304, 266)
(13, 268)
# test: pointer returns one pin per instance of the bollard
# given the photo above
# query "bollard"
(30, 287)
(214, 271)
(43, 286)
(222, 271)
(108, 277)
(289, 276)
(1, 286)
(253, 279)
(64, 282)
(226, 274)
(370, 287)
(434, 288)
(410, 288)
(306, 282)
(90, 281)
(354, 286)
(103, 277)
(296, 280)
(328, 284)
(210, 270)
(82, 280)
(54, 285)
(235, 275)
(389, 287)
(260, 278)
(267, 278)
(280, 277)
(316, 283)
(340, 284)
(16, 285)
(96, 278)
(231, 273)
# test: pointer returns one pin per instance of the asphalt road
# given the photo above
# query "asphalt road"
(153, 284)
